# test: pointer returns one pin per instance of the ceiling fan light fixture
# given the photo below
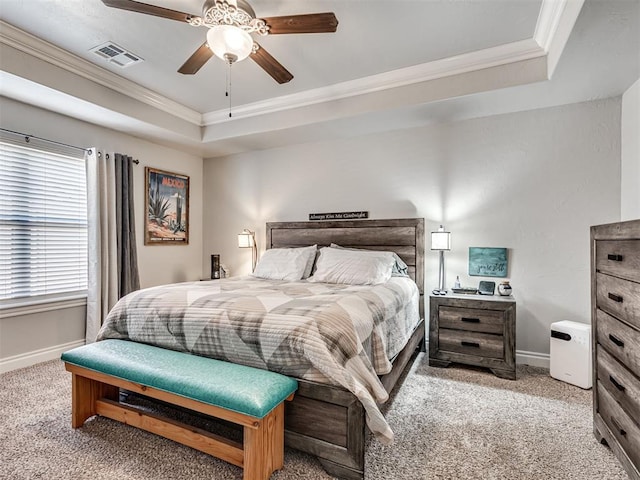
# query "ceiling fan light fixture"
(229, 43)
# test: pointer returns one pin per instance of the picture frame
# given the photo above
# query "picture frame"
(488, 262)
(166, 208)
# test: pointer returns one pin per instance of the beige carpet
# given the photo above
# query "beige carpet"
(455, 423)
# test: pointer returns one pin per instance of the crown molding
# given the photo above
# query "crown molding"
(555, 23)
(548, 21)
(36, 47)
(459, 64)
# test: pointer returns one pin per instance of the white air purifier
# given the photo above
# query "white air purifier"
(570, 353)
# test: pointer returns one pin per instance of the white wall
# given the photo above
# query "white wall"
(533, 182)
(630, 181)
(21, 336)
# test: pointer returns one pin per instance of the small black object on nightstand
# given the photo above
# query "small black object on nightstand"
(486, 288)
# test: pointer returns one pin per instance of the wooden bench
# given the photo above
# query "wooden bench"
(246, 396)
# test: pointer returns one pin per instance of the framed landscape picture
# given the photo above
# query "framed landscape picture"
(488, 262)
(166, 208)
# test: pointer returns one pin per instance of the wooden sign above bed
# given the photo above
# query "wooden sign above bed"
(339, 216)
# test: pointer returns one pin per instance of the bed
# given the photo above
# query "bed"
(339, 390)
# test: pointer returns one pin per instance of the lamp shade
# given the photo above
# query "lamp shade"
(441, 240)
(230, 43)
(245, 240)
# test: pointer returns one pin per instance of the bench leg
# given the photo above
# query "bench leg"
(264, 446)
(84, 393)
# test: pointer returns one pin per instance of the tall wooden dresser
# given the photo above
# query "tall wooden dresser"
(615, 319)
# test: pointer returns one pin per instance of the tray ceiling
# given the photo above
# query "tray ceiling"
(387, 57)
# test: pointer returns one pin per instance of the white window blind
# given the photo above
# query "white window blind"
(43, 221)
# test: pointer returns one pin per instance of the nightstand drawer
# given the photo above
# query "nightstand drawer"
(471, 343)
(623, 386)
(620, 340)
(619, 257)
(471, 319)
(620, 298)
(624, 429)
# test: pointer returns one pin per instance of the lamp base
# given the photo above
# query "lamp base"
(441, 288)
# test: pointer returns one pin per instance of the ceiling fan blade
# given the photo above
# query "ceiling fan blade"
(271, 66)
(148, 9)
(197, 60)
(308, 23)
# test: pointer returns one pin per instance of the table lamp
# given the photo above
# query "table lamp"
(247, 239)
(441, 240)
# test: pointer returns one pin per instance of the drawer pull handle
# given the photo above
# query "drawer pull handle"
(470, 344)
(617, 427)
(615, 298)
(470, 320)
(616, 384)
(614, 257)
(616, 340)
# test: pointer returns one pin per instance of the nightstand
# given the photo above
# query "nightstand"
(475, 330)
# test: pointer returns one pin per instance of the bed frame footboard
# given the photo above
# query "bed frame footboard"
(329, 422)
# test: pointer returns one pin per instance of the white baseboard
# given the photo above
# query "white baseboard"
(534, 359)
(37, 356)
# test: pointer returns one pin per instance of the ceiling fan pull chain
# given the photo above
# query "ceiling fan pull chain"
(228, 93)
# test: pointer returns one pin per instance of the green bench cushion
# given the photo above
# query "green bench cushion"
(239, 388)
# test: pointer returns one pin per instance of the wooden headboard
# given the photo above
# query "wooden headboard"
(402, 236)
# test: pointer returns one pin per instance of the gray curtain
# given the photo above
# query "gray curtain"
(113, 263)
(128, 276)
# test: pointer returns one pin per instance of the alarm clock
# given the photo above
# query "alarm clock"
(486, 288)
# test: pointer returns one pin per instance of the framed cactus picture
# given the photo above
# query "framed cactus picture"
(166, 220)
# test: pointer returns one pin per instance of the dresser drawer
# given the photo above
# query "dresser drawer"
(471, 343)
(623, 386)
(619, 257)
(620, 340)
(624, 429)
(620, 298)
(471, 319)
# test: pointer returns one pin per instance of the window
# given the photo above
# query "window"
(43, 221)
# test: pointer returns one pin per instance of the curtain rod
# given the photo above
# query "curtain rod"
(27, 137)
(134, 160)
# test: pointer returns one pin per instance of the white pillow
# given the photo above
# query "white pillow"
(353, 267)
(399, 269)
(285, 263)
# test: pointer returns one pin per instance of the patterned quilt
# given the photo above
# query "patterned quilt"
(328, 333)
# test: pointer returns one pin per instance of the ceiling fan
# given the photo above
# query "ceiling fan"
(231, 23)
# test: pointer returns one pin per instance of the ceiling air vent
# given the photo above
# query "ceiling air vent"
(115, 54)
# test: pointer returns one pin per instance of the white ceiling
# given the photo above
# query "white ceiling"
(391, 64)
